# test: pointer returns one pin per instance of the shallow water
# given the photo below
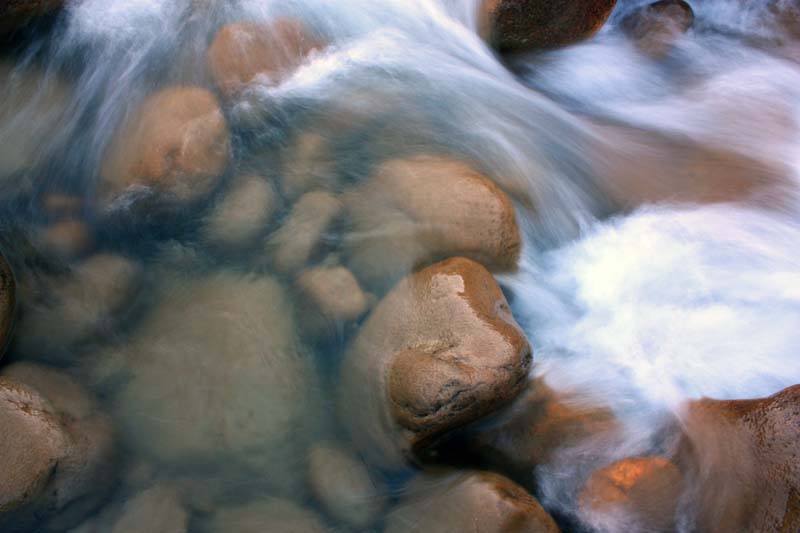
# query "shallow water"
(638, 300)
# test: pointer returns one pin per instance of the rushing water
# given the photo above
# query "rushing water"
(641, 297)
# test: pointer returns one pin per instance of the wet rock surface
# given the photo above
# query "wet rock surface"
(279, 515)
(15, 14)
(157, 509)
(441, 350)
(419, 210)
(656, 27)
(8, 302)
(517, 25)
(473, 501)
(330, 299)
(242, 214)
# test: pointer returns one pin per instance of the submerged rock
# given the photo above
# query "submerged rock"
(308, 164)
(423, 209)
(243, 213)
(656, 27)
(743, 459)
(246, 53)
(65, 239)
(342, 484)
(235, 391)
(8, 302)
(329, 298)
(441, 350)
(269, 515)
(58, 450)
(518, 25)
(171, 151)
(15, 14)
(473, 501)
(155, 510)
(636, 494)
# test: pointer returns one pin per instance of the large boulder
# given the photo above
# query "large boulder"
(236, 391)
(518, 25)
(8, 302)
(58, 450)
(423, 209)
(472, 501)
(743, 459)
(440, 351)
(247, 53)
(171, 151)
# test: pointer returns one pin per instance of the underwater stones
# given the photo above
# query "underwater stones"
(519, 25)
(236, 392)
(246, 53)
(269, 515)
(342, 484)
(654, 28)
(329, 298)
(65, 239)
(8, 302)
(242, 214)
(58, 450)
(157, 509)
(635, 494)
(308, 164)
(472, 501)
(302, 234)
(169, 152)
(64, 310)
(423, 209)
(743, 462)
(441, 350)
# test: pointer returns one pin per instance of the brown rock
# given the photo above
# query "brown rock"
(171, 150)
(516, 25)
(66, 239)
(8, 303)
(14, 14)
(657, 26)
(244, 53)
(308, 164)
(475, 501)
(269, 515)
(242, 214)
(60, 450)
(62, 205)
(329, 297)
(743, 456)
(344, 487)
(302, 235)
(637, 494)
(155, 510)
(420, 210)
(441, 350)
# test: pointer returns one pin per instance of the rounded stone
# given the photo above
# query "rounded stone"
(157, 509)
(656, 27)
(242, 214)
(66, 239)
(280, 515)
(441, 350)
(172, 150)
(519, 25)
(329, 297)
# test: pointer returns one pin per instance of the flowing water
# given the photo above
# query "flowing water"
(684, 285)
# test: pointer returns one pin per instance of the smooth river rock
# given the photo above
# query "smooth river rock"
(518, 25)
(471, 501)
(329, 298)
(280, 516)
(419, 210)
(242, 214)
(440, 351)
(655, 28)
(171, 150)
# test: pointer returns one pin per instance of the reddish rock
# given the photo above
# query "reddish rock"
(245, 53)
(636, 494)
(441, 350)
(171, 150)
(517, 25)
(656, 27)
(743, 456)
(473, 501)
(8, 302)
(66, 239)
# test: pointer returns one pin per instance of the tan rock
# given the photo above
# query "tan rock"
(423, 209)
(302, 235)
(276, 515)
(245, 53)
(742, 456)
(441, 350)
(656, 27)
(61, 205)
(473, 501)
(242, 214)
(308, 164)
(155, 510)
(636, 494)
(329, 297)
(518, 25)
(236, 391)
(66, 239)
(342, 484)
(8, 303)
(171, 150)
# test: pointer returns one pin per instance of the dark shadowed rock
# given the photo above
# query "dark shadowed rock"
(15, 14)
(657, 26)
(474, 501)
(441, 350)
(8, 302)
(515, 25)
